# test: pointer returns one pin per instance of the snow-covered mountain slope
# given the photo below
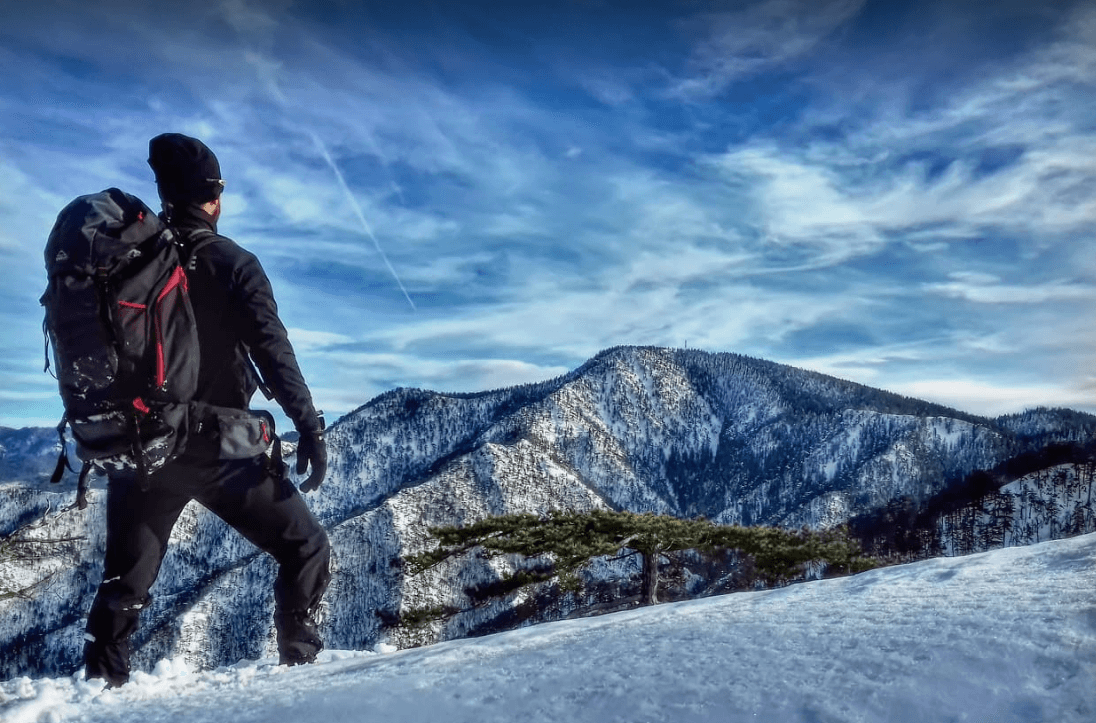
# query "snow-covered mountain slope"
(1045, 505)
(27, 459)
(1007, 636)
(669, 431)
(1030, 498)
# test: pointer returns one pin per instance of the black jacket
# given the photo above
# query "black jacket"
(237, 318)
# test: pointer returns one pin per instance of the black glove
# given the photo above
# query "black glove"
(312, 450)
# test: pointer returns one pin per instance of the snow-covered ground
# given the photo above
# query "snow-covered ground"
(1003, 636)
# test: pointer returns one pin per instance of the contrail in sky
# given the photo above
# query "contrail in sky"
(361, 216)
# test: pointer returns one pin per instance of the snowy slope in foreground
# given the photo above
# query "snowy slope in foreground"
(1008, 635)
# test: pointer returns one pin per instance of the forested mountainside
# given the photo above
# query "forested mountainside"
(1035, 496)
(687, 433)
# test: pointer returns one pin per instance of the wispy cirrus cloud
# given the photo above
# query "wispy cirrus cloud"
(988, 398)
(988, 289)
(811, 183)
(740, 41)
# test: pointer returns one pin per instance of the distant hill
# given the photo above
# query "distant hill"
(27, 455)
(687, 433)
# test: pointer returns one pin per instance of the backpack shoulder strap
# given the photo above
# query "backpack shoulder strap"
(199, 238)
(204, 234)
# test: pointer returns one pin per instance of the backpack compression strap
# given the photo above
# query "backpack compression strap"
(82, 487)
(63, 462)
(62, 458)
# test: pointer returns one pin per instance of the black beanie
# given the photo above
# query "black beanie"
(186, 170)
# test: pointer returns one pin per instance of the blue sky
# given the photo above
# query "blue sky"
(898, 193)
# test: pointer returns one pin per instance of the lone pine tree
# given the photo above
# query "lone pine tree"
(571, 539)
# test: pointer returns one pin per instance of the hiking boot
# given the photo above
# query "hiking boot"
(298, 638)
(106, 661)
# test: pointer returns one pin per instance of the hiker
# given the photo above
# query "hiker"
(238, 330)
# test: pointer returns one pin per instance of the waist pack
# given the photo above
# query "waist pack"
(238, 433)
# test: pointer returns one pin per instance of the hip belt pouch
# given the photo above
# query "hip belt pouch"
(241, 433)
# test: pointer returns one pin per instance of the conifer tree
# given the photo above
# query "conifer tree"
(571, 539)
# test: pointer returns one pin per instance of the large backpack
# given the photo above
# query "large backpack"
(118, 314)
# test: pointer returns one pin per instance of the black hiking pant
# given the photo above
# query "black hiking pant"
(264, 507)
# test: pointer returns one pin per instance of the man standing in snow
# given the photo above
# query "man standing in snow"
(238, 330)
